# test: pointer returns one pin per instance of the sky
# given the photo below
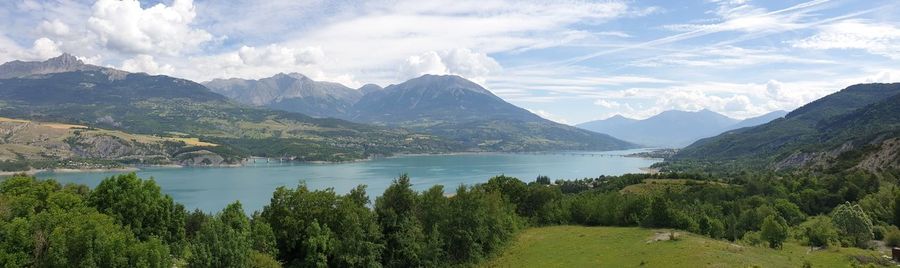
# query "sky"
(568, 61)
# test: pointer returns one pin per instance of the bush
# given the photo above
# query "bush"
(752, 238)
(892, 237)
(819, 232)
(878, 232)
(774, 230)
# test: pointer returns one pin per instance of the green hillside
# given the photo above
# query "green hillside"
(837, 131)
(145, 104)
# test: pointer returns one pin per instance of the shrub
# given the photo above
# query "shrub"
(751, 238)
(819, 232)
(774, 230)
(892, 237)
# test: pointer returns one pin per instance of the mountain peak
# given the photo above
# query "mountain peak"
(60, 64)
(442, 82)
(65, 59)
(369, 88)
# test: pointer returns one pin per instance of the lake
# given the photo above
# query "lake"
(211, 189)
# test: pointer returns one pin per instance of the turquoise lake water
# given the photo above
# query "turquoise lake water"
(211, 189)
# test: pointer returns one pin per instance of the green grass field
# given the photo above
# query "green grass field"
(576, 246)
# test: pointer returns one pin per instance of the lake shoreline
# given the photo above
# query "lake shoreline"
(253, 159)
(33, 172)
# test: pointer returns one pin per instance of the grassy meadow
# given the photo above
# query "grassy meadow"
(576, 246)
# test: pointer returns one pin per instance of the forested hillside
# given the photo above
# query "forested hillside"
(855, 126)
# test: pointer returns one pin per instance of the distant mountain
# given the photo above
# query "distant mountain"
(290, 92)
(436, 99)
(672, 128)
(759, 120)
(63, 63)
(453, 107)
(856, 127)
(163, 106)
(369, 88)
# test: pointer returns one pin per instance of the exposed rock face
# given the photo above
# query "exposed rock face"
(290, 92)
(61, 64)
(114, 148)
(21, 139)
(887, 156)
(200, 158)
(813, 159)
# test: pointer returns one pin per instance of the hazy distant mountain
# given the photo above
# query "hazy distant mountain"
(369, 88)
(858, 126)
(667, 129)
(759, 120)
(290, 92)
(673, 128)
(453, 107)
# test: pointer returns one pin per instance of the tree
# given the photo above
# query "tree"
(139, 205)
(222, 241)
(542, 180)
(358, 237)
(262, 237)
(479, 222)
(897, 210)
(290, 214)
(403, 236)
(853, 224)
(317, 246)
(660, 215)
(774, 230)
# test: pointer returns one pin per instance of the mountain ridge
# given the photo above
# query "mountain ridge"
(672, 128)
(833, 132)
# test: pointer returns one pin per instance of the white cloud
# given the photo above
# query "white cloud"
(125, 26)
(45, 48)
(463, 62)
(550, 116)
(257, 62)
(281, 56)
(727, 57)
(875, 38)
(885, 76)
(54, 27)
(607, 104)
(426, 63)
(146, 64)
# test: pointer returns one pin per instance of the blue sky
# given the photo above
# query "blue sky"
(569, 61)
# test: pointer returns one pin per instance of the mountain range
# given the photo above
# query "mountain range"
(447, 106)
(268, 117)
(858, 126)
(290, 92)
(673, 128)
(160, 105)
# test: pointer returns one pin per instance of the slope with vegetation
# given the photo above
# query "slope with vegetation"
(857, 126)
(159, 105)
(461, 110)
(447, 106)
